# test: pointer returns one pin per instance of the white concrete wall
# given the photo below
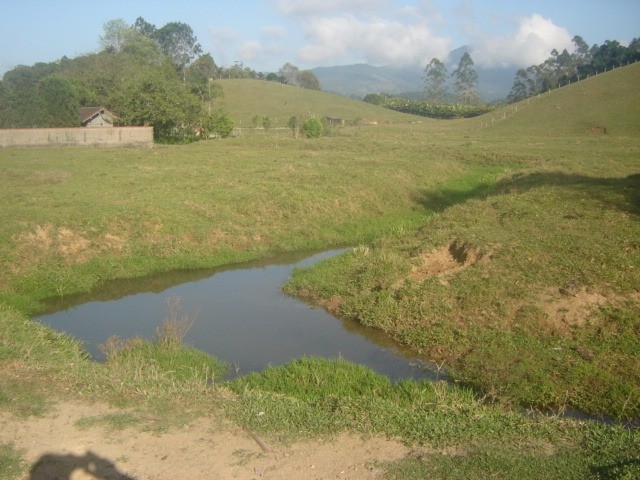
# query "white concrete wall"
(94, 136)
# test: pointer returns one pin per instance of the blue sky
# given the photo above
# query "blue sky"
(308, 33)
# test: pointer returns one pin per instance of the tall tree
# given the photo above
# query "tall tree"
(290, 73)
(178, 42)
(435, 80)
(633, 50)
(145, 28)
(116, 33)
(465, 80)
(156, 97)
(199, 77)
(520, 89)
(307, 79)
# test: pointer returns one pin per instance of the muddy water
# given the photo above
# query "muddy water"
(241, 316)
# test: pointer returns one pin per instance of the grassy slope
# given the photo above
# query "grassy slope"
(246, 98)
(607, 100)
(549, 316)
(73, 218)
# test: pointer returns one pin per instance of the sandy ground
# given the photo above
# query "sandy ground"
(56, 448)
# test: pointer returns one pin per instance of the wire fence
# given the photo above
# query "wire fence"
(514, 108)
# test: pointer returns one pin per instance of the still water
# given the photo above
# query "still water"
(241, 317)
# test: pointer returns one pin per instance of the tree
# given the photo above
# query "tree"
(145, 50)
(175, 39)
(219, 122)
(199, 76)
(119, 37)
(178, 42)
(145, 28)
(633, 50)
(290, 73)
(294, 125)
(313, 128)
(581, 47)
(157, 97)
(465, 80)
(521, 87)
(435, 81)
(307, 79)
(58, 102)
(238, 70)
(7, 106)
(116, 33)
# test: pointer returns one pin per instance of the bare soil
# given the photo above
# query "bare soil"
(447, 260)
(55, 447)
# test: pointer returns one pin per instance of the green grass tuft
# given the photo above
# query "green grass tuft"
(12, 464)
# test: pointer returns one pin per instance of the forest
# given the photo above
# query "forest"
(144, 74)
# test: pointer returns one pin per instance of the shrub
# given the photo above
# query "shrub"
(313, 128)
(219, 123)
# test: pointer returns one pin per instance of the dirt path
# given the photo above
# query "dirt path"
(56, 448)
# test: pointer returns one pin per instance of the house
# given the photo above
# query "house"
(334, 121)
(97, 117)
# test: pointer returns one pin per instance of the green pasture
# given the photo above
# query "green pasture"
(247, 98)
(535, 210)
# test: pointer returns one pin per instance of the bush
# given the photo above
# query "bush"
(218, 123)
(313, 128)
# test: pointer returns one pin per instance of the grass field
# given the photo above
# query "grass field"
(506, 247)
(248, 98)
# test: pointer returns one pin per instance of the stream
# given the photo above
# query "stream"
(240, 316)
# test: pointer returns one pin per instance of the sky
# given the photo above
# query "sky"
(264, 35)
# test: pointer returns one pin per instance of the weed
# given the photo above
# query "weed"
(175, 327)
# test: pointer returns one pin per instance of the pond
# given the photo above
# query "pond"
(240, 315)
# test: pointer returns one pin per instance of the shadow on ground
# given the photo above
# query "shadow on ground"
(619, 193)
(62, 467)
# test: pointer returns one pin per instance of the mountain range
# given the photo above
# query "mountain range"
(358, 80)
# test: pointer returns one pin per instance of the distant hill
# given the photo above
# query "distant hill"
(244, 99)
(358, 80)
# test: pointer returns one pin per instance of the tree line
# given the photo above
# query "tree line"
(563, 68)
(144, 74)
(437, 97)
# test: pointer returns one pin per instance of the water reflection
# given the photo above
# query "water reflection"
(242, 317)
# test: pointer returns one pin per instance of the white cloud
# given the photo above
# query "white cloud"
(531, 44)
(277, 32)
(324, 7)
(377, 41)
(425, 11)
(222, 35)
(250, 51)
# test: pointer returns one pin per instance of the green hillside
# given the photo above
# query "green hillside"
(246, 98)
(607, 101)
(524, 281)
